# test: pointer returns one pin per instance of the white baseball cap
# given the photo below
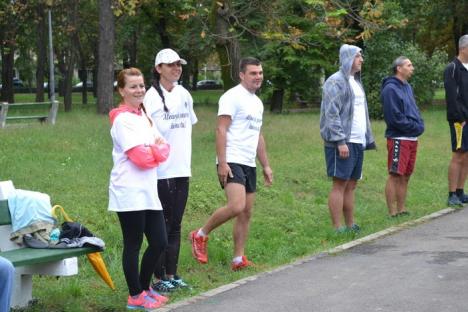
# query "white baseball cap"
(168, 56)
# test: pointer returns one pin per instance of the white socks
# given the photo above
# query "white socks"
(201, 233)
(237, 260)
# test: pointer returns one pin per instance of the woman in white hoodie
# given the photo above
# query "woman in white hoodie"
(137, 151)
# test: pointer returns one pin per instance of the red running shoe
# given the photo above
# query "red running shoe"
(199, 247)
(242, 265)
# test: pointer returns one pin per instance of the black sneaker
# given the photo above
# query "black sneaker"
(163, 286)
(463, 198)
(178, 282)
(454, 201)
(354, 228)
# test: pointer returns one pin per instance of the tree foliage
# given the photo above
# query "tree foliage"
(297, 40)
(381, 50)
(435, 24)
(296, 46)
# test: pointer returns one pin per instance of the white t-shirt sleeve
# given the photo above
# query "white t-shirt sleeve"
(127, 134)
(153, 103)
(193, 116)
(226, 106)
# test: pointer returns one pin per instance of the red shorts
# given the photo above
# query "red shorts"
(401, 156)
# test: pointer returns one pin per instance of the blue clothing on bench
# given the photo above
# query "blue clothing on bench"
(27, 207)
(7, 274)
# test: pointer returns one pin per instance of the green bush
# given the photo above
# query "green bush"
(381, 50)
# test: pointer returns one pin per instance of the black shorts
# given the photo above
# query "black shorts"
(245, 175)
(459, 137)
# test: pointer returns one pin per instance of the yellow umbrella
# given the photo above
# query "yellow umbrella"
(99, 266)
(94, 258)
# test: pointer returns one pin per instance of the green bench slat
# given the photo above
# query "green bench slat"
(30, 256)
(4, 213)
(16, 106)
(26, 117)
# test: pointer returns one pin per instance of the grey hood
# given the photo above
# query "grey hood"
(347, 55)
(337, 109)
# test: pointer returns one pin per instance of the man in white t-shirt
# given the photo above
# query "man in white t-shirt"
(238, 141)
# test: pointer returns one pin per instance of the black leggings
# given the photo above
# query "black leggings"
(173, 194)
(134, 224)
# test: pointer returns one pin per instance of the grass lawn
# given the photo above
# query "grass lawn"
(439, 95)
(71, 161)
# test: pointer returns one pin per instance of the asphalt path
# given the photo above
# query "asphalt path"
(421, 266)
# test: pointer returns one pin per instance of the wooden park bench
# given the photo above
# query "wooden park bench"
(30, 261)
(44, 112)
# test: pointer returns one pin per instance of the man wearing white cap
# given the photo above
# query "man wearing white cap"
(170, 106)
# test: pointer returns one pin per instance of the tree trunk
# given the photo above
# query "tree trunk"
(66, 63)
(163, 35)
(70, 56)
(186, 78)
(83, 73)
(41, 44)
(8, 36)
(277, 101)
(227, 44)
(159, 22)
(132, 50)
(95, 71)
(161, 26)
(105, 90)
(195, 74)
(460, 22)
(8, 63)
(67, 86)
(62, 68)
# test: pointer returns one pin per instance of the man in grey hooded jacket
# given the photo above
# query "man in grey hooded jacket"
(346, 131)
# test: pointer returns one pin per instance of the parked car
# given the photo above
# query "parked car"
(79, 86)
(46, 86)
(209, 84)
(17, 83)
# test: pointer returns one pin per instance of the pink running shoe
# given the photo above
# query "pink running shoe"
(199, 247)
(142, 302)
(157, 296)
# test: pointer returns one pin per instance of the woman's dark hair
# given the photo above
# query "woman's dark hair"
(157, 86)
